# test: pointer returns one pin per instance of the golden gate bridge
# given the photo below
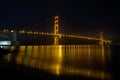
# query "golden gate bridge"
(56, 34)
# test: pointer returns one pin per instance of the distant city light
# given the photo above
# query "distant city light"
(5, 42)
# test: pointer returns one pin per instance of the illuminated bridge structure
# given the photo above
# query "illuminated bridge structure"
(56, 35)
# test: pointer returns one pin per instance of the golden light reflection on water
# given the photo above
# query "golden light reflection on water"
(80, 60)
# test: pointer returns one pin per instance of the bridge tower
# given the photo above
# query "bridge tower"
(56, 30)
(101, 39)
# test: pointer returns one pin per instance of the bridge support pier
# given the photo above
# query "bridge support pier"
(56, 40)
(15, 35)
(101, 39)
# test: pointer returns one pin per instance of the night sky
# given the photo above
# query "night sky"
(76, 17)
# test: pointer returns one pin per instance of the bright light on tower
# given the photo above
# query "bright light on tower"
(12, 31)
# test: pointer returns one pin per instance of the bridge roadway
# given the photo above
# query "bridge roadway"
(65, 35)
(52, 34)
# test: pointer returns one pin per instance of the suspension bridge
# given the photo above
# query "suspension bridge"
(56, 35)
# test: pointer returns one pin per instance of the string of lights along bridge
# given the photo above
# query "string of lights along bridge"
(58, 35)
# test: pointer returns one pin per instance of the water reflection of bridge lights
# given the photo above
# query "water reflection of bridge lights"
(52, 58)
